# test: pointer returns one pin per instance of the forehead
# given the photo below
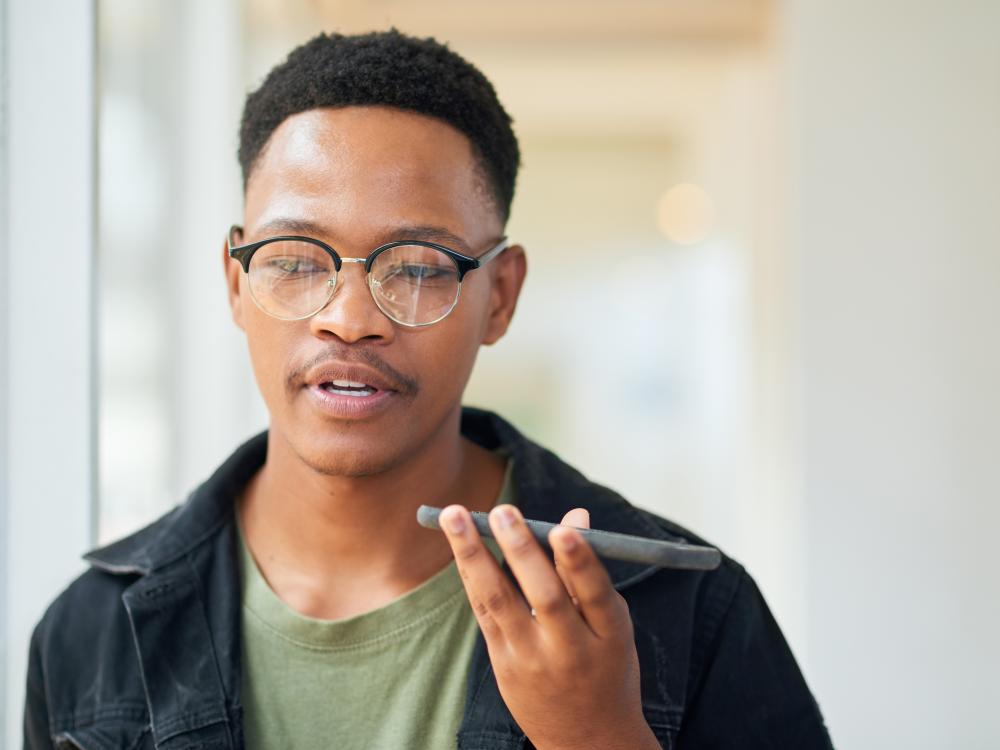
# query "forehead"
(358, 170)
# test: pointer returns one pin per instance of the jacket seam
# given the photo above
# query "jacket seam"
(215, 651)
(189, 722)
(82, 719)
(142, 672)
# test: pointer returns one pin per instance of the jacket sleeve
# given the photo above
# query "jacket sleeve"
(749, 692)
(36, 712)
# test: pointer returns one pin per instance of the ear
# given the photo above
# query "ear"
(509, 270)
(233, 271)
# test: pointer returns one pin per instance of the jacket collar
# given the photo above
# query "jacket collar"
(545, 486)
(207, 509)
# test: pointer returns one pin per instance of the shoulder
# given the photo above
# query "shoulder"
(718, 588)
(82, 665)
(89, 610)
(705, 598)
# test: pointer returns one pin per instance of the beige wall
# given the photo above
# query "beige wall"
(895, 109)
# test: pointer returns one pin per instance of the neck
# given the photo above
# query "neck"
(333, 546)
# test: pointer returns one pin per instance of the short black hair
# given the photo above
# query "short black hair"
(391, 69)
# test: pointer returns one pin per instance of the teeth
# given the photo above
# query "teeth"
(357, 392)
(349, 384)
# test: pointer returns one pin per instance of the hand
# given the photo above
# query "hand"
(565, 659)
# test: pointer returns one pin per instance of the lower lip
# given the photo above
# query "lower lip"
(349, 407)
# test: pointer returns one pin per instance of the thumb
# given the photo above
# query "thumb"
(578, 517)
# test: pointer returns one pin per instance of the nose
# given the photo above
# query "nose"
(351, 314)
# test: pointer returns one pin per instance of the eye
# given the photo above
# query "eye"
(421, 272)
(293, 265)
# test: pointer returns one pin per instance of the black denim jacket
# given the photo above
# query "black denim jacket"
(143, 649)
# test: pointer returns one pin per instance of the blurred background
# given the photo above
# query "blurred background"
(763, 292)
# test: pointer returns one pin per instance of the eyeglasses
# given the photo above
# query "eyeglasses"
(415, 283)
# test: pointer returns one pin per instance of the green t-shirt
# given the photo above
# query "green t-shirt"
(390, 678)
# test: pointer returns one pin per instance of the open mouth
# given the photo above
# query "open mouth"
(348, 388)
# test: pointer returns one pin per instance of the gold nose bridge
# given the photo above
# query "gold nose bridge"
(334, 283)
(354, 260)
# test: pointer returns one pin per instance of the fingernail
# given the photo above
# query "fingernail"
(505, 517)
(454, 522)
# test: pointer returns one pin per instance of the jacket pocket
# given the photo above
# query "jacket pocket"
(105, 735)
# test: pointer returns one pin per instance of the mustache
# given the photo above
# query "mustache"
(351, 354)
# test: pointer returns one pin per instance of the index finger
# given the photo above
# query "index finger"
(500, 609)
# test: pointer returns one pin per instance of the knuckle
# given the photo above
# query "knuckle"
(497, 600)
(467, 552)
(486, 623)
(521, 543)
(576, 564)
(481, 611)
(603, 597)
(537, 670)
(548, 602)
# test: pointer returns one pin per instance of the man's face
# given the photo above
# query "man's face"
(357, 177)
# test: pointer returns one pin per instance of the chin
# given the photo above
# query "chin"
(340, 453)
(357, 449)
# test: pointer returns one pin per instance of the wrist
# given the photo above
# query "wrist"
(623, 738)
(642, 738)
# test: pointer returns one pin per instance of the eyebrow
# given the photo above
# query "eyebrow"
(424, 232)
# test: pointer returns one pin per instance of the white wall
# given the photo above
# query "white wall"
(47, 240)
(895, 156)
(177, 391)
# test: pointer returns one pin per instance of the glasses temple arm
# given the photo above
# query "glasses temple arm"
(493, 252)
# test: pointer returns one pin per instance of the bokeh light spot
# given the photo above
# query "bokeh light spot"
(684, 214)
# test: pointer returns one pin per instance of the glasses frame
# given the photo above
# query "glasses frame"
(464, 263)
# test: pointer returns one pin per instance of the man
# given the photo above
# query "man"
(292, 601)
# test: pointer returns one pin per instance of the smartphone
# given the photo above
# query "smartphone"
(610, 544)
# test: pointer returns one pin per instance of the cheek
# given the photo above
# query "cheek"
(442, 355)
(268, 345)
(458, 340)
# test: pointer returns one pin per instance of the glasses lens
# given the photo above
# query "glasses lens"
(415, 285)
(290, 279)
